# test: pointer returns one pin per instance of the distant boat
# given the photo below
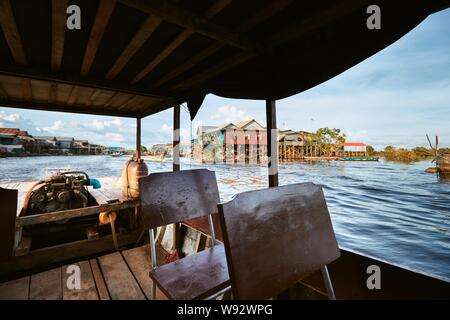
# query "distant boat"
(159, 158)
(116, 154)
(359, 159)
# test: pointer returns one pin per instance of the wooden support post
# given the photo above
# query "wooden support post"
(177, 236)
(176, 138)
(138, 138)
(272, 142)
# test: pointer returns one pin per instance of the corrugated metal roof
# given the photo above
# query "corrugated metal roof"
(354, 144)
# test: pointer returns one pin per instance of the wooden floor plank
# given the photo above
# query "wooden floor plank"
(46, 285)
(87, 289)
(99, 281)
(15, 290)
(119, 279)
(139, 261)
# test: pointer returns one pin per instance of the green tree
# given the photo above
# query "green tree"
(329, 140)
(370, 150)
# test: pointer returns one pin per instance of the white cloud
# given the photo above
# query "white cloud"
(56, 126)
(227, 114)
(12, 117)
(116, 137)
(166, 129)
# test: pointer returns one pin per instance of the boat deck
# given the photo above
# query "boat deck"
(116, 276)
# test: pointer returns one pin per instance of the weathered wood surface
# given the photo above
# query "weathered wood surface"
(46, 285)
(50, 257)
(87, 290)
(119, 279)
(170, 197)
(139, 262)
(18, 289)
(194, 277)
(119, 275)
(99, 280)
(263, 223)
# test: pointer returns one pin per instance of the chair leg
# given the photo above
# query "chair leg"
(151, 234)
(153, 291)
(328, 284)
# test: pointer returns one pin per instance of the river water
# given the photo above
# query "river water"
(392, 211)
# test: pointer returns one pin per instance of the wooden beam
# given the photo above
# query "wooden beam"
(59, 15)
(52, 94)
(76, 80)
(171, 12)
(138, 138)
(104, 11)
(260, 16)
(73, 95)
(272, 142)
(212, 72)
(180, 39)
(3, 93)
(11, 32)
(176, 138)
(73, 213)
(145, 31)
(316, 21)
(296, 30)
(72, 108)
(26, 89)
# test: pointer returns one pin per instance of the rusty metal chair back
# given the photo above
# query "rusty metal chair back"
(275, 237)
(173, 197)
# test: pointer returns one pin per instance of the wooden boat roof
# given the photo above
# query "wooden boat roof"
(134, 58)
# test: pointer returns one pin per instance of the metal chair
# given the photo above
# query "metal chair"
(275, 237)
(172, 197)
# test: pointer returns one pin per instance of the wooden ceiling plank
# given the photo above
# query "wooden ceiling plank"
(145, 31)
(27, 93)
(65, 108)
(58, 32)
(226, 65)
(315, 21)
(3, 93)
(262, 15)
(212, 11)
(73, 95)
(76, 80)
(173, 13)
(52, 94)
(9, 26)
(104, 12)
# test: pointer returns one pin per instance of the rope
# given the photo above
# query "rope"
(113, 231)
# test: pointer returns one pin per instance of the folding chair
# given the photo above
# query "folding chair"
(275, 237)
(172, 197)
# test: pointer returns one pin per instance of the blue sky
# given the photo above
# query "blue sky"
(394, 97)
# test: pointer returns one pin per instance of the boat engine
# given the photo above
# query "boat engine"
(61, 191)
